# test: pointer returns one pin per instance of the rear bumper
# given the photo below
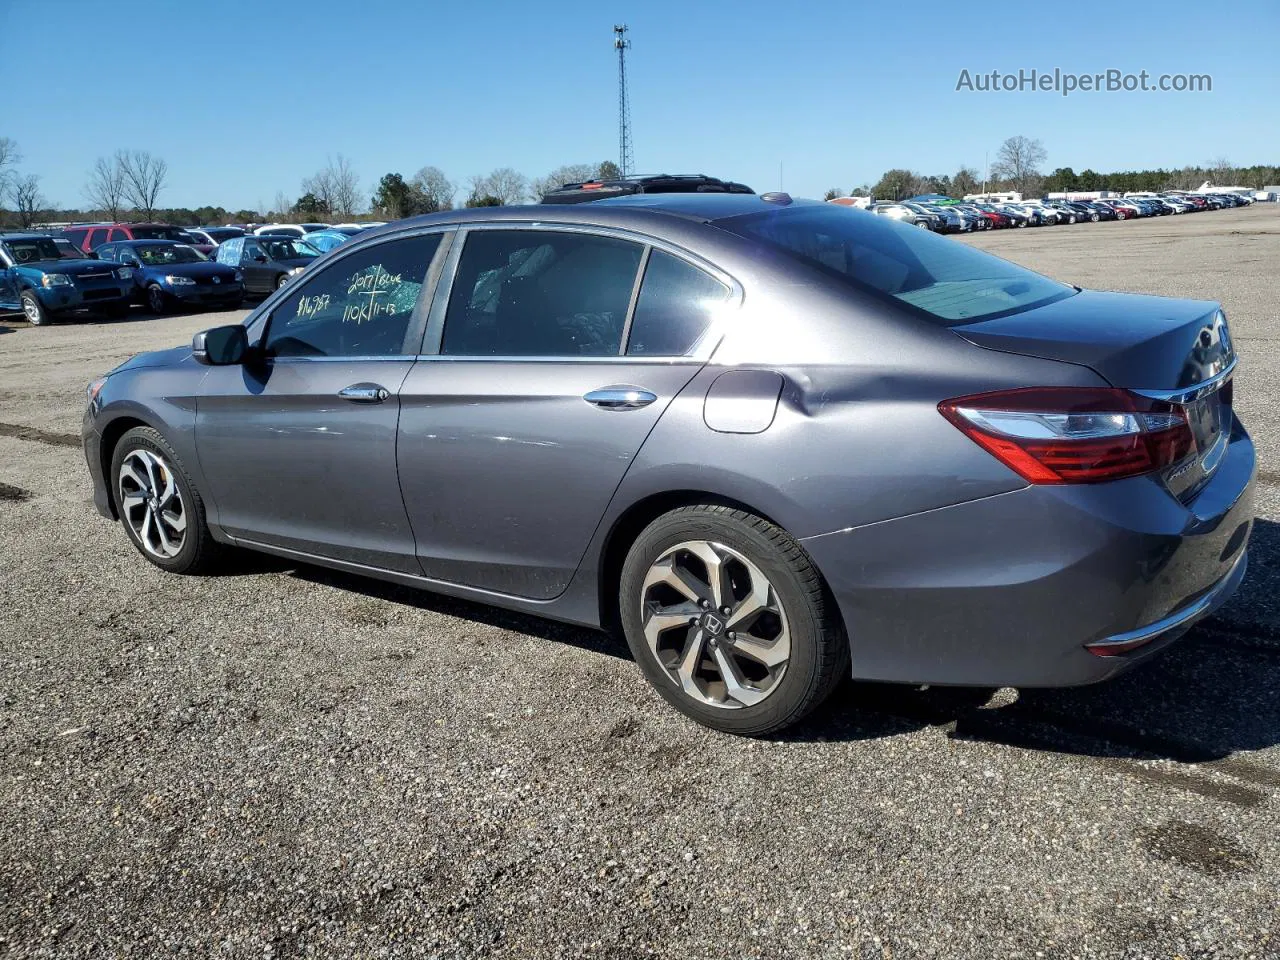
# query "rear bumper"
(1013, 589)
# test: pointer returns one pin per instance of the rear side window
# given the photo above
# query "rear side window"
(119, 234)
(948, 281)
(676, 305)
(359, 306)
(533, 293)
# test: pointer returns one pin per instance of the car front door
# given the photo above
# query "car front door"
(8, 284)
(298, 445)
(255, 266)
(537, 387)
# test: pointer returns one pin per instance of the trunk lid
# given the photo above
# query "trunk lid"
(1164, 348)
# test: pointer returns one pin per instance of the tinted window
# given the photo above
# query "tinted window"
(949, 281)
(119, 234)
(676, 305)
(524, 293)
(359, 306)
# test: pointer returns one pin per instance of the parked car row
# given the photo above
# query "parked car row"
(945, 215)
(105, 268)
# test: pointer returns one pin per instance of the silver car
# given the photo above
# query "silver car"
(772, 442)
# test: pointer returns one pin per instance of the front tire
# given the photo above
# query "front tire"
(159, 507)
(34, 310)
(282, 280)
(730, 621)
(157, 300)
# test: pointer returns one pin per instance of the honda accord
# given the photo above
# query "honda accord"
(772, 442)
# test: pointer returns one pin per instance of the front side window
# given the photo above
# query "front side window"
(107, 252)
(251, 251)
(286, 248)
(947, 281)
(359, 306)
(535, 293)
(677, 303)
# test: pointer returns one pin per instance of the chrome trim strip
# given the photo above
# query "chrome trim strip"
(1120, 642)
(1192, 393)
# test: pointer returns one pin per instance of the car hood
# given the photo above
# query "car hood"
(196, 271)
(157, 358)
(72, 268)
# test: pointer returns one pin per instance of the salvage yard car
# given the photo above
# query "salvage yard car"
(266, 262)
(776, 442)
(44, 282)
(167, 276)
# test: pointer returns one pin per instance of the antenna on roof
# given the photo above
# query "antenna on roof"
(620, 43)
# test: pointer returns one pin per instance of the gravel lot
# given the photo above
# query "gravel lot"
(291, 762)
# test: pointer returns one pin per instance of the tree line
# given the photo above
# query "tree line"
(1018, 164)
(128, 185)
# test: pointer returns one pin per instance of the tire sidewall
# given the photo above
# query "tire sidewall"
(147, 438)
(41, 313)
(805, 628)
(155, 299)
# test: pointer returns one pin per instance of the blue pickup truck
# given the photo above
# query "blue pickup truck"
(44, 282)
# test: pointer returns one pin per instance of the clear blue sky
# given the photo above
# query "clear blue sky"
(245, 99)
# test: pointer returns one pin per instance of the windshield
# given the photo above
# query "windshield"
(162, 256)
(951, 282)
(282, 248)
(31, 249)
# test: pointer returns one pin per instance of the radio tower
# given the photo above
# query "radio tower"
(620, 43)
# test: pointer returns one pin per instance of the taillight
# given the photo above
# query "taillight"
(1074, 434)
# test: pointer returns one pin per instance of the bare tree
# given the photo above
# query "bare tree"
(336, 188)
(105, 188)
(504, 184)
(24, 191)
(437, 189)
(1223, 172)
(8, 156)
(144, 178)
(1018, 160)
(569, 173)
(282, 210)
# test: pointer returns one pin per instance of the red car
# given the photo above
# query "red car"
(91, 236)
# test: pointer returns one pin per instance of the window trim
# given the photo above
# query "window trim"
(700, 352)
(417, 319)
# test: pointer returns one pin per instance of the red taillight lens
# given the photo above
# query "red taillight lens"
(1074, 434)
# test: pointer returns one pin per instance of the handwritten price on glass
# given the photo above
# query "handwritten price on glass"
(375, 283)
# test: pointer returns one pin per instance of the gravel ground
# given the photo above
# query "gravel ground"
(290, 762)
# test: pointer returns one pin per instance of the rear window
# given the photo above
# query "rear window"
(948, 281)
(157, 233)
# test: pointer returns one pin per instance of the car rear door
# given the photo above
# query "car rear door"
(526, 409)
(298, 445)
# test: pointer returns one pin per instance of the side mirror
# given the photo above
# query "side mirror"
(260, 258)
(221, 346)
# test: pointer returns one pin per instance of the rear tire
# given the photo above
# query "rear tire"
(772, 659)
(34, 310)
(160, 509)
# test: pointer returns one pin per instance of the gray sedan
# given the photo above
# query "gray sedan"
(772, 442)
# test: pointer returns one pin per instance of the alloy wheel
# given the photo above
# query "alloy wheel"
(152, 504)
(713, 622)
(31, 310)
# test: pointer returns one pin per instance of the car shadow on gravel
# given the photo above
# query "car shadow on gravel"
(1210, 695)
(594, 641)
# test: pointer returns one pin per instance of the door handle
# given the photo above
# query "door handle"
(364, 393)
(620, 398)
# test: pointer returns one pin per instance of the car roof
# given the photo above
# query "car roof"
(145, 243)
(636, 210)
(25, 236)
